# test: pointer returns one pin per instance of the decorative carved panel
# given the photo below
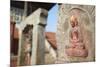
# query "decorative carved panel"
(75, 33)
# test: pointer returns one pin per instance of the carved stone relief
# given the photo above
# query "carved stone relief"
(75, 33)
(27, 45)
(76, 47)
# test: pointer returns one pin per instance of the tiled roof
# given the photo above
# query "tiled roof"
(51, 38)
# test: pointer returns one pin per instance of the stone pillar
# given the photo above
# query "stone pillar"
(41, 45)
(19, 48)
(38, 49)
(38, 20)
(85, 15)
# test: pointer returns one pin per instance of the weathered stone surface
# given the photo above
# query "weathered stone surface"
(37, 17)
(85, 15)
(50, 53)
(33, 54)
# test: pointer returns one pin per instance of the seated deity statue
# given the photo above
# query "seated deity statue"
(77, 47)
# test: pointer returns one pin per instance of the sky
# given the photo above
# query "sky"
(52, 19)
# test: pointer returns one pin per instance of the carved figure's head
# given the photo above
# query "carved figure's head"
(73, 21)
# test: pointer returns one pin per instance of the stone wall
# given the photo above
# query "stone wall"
(86, 18)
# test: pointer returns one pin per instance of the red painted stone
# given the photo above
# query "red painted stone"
(76, 52)
(77, 48)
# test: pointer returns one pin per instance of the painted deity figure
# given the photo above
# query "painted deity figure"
(27, 47)
(27, 50)
(77, 47)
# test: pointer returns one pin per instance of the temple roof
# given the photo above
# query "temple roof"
(32, 5)
(51, 38)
